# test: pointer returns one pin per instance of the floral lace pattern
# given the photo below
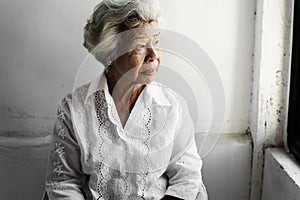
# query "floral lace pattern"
(112, 183)
(59, 152)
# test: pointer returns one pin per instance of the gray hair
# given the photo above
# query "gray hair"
(111, 17)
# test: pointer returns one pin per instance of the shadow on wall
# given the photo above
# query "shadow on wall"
(22, 168)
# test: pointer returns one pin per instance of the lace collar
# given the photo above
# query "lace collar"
(153, 92)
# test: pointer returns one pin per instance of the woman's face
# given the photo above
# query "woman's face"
(141, 62)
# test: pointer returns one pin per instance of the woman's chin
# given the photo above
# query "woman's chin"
(146, 80)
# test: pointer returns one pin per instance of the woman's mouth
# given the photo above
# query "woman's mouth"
(149, 72)
(150, 69)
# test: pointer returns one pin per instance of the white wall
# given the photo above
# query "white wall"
(225, 29)
(41, 50)
(227, 169)
(40, 53)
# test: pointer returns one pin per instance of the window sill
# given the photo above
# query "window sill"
(281, 175)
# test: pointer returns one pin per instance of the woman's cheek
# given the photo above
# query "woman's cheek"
(136, 60)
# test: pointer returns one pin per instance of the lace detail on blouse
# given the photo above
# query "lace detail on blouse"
(59, 152)
(152, 156)
(112, 183)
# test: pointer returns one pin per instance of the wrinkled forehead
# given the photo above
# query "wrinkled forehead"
(128, 39)
(140, 33)
(147, 29)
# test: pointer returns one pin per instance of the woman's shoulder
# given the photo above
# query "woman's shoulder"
(77, 95)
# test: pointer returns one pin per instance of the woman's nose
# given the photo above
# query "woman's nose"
(151, 54)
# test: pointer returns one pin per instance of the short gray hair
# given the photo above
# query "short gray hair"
(111, 17)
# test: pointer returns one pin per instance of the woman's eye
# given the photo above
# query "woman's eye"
(140, 46)
(156, 42)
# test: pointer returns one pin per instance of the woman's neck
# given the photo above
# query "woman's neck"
(121, 88)
(124, 93)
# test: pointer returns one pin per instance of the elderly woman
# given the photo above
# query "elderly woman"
(124, 136)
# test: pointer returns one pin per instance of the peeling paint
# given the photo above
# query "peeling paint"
(271, 101)
(280, 81)
(272, 47)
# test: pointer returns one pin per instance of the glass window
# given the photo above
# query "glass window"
(293, 128)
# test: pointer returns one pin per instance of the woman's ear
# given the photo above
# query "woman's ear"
(108, 62)
(109, 59)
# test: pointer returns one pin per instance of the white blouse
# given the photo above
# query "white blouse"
(93, 156)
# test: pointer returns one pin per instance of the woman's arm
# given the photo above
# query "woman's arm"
(184, 170)
(64, 179)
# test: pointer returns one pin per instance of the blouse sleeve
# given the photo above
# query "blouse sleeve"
(184, 170)
(64, 177)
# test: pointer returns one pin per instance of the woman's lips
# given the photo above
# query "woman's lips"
(150, 69)
(149, 72)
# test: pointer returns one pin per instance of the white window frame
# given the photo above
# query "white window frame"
(270, 87)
